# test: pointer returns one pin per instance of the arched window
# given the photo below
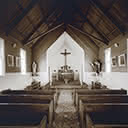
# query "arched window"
(2, 58)
(108, 60)
(23, 61)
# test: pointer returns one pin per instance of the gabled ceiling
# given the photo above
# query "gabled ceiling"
(65, 41)
(29, 21)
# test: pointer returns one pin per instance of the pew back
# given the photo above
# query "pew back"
(23, 115)
(97, 103)
(45, 101)
(107, 119)
(97, 91)
(39, 92)
(24, 92)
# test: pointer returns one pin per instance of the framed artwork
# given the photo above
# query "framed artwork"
(17, 60)
(121, 60)
(10, 60)
(114, 61)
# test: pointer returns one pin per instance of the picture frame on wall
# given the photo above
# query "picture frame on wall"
(10, 60)
(121, 60)
(114, 61)
(17, 61)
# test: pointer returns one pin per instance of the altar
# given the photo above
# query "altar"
(65, 74)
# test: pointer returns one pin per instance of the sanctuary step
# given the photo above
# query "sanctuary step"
(73, 83)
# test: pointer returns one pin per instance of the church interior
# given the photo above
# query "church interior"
(63, 64)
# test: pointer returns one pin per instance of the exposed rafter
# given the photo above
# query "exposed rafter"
(13, 24)
(57, 33)
(44, 20)
(43, 34)
(87, 34)
(86, 45)
(99, 33)
(20, 33)
(107, 14)
(94, 27)
(86, 15)
(28, 18)
(88, 38)
(106, 10)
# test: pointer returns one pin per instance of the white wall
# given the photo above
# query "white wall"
(113, 80)
(15, 81)
(2, 57)
(88, 77)
(18, 81)
(43, 78)
(56, 60)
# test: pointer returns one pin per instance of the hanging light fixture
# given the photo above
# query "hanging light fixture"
(116, 45)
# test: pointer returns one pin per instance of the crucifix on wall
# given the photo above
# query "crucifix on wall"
(65, 53)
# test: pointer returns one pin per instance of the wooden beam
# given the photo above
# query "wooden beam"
(52, 36)
(13, 24)
(87, 34)
(85, 45)
(86, 15)
(21, 8)
(106, 41)
(107, 14)
(106, 10)
(20, 33)
(38, 26)
(43, 34)
(99, 33)
(87, 37)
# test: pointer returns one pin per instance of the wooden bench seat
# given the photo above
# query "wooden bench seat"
(41, 92)
(108, 117)
(97, 91)
(102, 98)
(98, 107)
(44, 92)
(45, 101)
(23, 116)
(26, 99)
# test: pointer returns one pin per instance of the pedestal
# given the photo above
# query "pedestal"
(66, 81)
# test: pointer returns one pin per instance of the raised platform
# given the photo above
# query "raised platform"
(70, 83)
(66, 86)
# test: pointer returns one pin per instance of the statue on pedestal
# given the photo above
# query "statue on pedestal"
(34, 69)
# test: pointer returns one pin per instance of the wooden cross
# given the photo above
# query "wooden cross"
(65, 53)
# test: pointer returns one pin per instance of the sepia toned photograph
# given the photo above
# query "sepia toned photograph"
(121, 60)
(10, 60)
(114, 61)
(17, 61)
(63, 64)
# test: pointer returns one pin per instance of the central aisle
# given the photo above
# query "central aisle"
(66, 115)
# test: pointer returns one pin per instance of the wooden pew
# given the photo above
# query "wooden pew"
(94, 100)
(107, 116)
(41, 92)
(23, 116)
(92, 97)
(96, 91)
(21, 92)
(33, 99)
